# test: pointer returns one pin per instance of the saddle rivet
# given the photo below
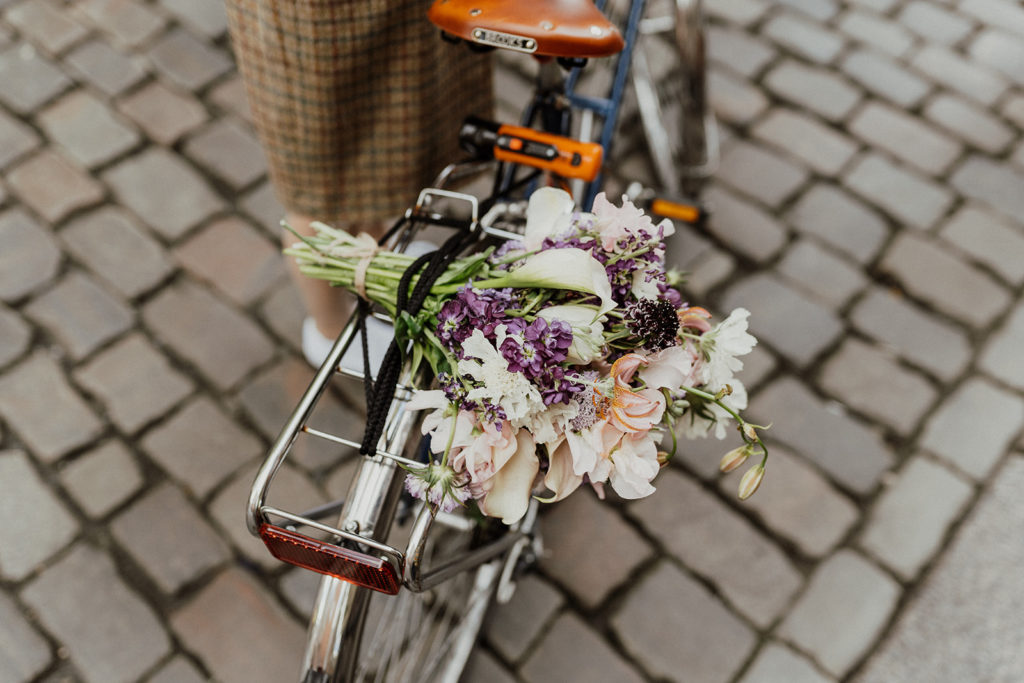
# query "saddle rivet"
(474, 12)
(596, 30)
(547, 26)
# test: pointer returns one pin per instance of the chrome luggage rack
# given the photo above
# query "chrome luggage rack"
(354, 550)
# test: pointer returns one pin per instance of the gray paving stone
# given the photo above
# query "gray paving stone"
(1013, 109)
(30, 79)
(222, 343)
(971, 604)
(1002, 51)
(138, 183)
(511, 628)
(910, 198)
(885, 78)
(16, 139)
(52, 186)
(200, 446)
(80, 314)
(1001, 354)
(880, 6)
(99, 64)
(299, 588)
(164, 114)
(230, 95)
(129, 22)
(842, 612)
(291, 490)
(110, 633)
(909, 520)
(721, 546)
(235, 258)
(776, 663)
(739, 11)
(952, 70)
(877, 31)
(820, 273)
(571, 649)
(87, 129)
(229, 151)
(869, 380)
(114, 374)
(733, 99)
(262, 206)
(816, 89)
(906, 137)
(972, 124)
(169, 539)
(774, 305)
(963, 292)
(935, 23)
(118, 250)
(988, 238)
(578, 533)
(40, 405)
(187, 62)
(15, 335)
(975, 426)
(792, 493)
(804, 137)
(759, 173)
(208, 18)
(696, 640)
(807, 38)
(996, 184)
(271, 397)
(240, 632)
(46, 24)
(738, 50)
(283, 311)
(102, 479)
(852, 454)
(998, 13)
(484, 668)
(919, 337)
(26, 540)
(818, 9)
(744, 226)
(838, 219)
(178, 670)
(23, 652)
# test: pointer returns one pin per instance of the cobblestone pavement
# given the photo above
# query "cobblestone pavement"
(866, 209)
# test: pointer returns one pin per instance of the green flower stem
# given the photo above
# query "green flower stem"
(451, 436)
(735, 415)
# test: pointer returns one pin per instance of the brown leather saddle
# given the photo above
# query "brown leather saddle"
(553, 28)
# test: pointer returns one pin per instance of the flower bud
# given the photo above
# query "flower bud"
(749, 431)
(735, 458)
(663, 458)
(750, 481)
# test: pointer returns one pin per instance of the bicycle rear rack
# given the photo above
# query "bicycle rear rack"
(366, 516)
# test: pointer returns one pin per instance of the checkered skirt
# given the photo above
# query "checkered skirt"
(357, 102)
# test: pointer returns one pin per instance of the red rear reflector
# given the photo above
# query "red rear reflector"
(348, 565)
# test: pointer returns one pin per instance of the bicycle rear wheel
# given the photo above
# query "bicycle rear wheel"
(359, 635)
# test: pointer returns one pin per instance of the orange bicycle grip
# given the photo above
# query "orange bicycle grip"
(561, 155)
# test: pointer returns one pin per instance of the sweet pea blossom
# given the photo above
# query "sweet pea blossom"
(635, 464)
(722, 345)
(508, 495)
(615, 223)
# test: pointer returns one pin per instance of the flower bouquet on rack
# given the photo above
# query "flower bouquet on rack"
(562, 359)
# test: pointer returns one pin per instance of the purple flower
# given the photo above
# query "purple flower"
(472, 309)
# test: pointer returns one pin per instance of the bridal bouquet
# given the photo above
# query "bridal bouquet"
(561, 359)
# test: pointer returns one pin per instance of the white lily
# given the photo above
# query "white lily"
(549, 213)
(587, 333)
(572, 269)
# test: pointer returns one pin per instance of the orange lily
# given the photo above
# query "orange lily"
(632, 411)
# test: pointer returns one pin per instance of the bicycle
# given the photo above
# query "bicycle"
(452, 565)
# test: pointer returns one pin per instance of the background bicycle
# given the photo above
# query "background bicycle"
(93, 591)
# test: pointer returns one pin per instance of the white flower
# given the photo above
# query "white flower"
(645, 287)
(635, 465)
(510, 390)
(698, 427)
(722, 345)
(572, 269)
(509, 489)
(549, 213)
(587, 333)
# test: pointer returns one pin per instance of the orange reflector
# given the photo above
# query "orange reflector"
(348, 565)
(688, 213)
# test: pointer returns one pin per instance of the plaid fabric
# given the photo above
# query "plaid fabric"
(357, 102)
